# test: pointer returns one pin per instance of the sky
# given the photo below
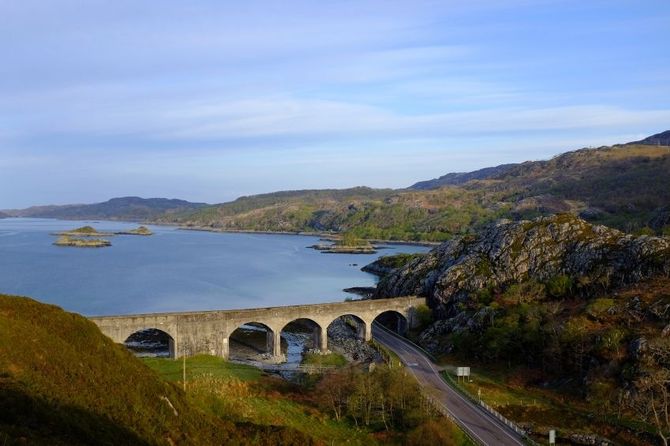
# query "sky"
(211, 100)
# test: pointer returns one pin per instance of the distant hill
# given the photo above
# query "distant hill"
(124, 208)
(64, 383)
(659, 139)
(368, 213)
(624, 186)
(458, 178)
(3, 215)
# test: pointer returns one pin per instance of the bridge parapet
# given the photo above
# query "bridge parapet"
(209, 331)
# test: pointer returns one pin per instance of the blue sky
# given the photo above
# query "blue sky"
(210, 100)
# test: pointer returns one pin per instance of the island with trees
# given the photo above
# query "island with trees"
(77, 242)
(347, 243)
(89, 237)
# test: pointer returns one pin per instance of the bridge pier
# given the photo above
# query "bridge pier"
(364, 331)
(225, 348)
(321, 338)
(276, 347)
(172, 348)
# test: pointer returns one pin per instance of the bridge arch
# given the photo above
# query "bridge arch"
(304, 325)
(247, 333)
(357, 322)
(148, 341)
(394, 320)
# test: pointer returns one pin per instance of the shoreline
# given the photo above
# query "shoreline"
(325, 235)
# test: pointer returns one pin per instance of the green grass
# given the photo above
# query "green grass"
(530, 405)
(63, 382)
(197, 366)
(328, 360)
(243, 394)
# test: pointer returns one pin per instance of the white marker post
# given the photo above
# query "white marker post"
(552, 436)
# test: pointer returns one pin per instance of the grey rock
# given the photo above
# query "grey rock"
(588, 439)
(506, 253)
(638, 347)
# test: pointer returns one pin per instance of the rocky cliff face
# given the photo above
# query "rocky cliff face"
(591, 256)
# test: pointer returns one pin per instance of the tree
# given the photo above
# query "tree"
(651, 400)
(651, 389)
(334, 389)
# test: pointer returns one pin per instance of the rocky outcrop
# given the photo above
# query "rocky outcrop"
(387, 264)
(343, 338)
(544, 249)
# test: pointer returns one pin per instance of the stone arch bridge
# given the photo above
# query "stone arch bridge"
(209, 331)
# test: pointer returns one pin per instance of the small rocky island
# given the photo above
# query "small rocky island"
(142, 230)
(66, 240)
(346, 244)
(84, 237)
(84, 231)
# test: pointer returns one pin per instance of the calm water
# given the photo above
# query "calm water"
(173, 270)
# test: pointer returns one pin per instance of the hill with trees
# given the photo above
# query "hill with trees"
(624, 186)
(575, 315)
(458, 178)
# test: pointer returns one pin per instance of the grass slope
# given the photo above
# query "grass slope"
(63, 383)
(244, 394)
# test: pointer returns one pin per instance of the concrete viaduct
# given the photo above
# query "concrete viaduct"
(209, 331)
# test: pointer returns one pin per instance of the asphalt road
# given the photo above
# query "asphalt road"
(475, 420)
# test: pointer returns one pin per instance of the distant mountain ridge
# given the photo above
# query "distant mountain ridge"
(659, 139)
(624, 186)
(123, 208)
(458, 178)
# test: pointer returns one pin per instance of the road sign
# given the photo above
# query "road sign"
(463, 371)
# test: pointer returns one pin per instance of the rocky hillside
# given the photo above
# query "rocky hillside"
(124, 208)
(578, 310)
(621, 186)
(546, 250)
(624, 186)
(458, 178)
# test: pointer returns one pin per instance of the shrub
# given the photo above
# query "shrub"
(599, 307)
(424, 315)
(559, 286)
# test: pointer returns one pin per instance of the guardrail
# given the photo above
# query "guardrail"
(494, 413)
